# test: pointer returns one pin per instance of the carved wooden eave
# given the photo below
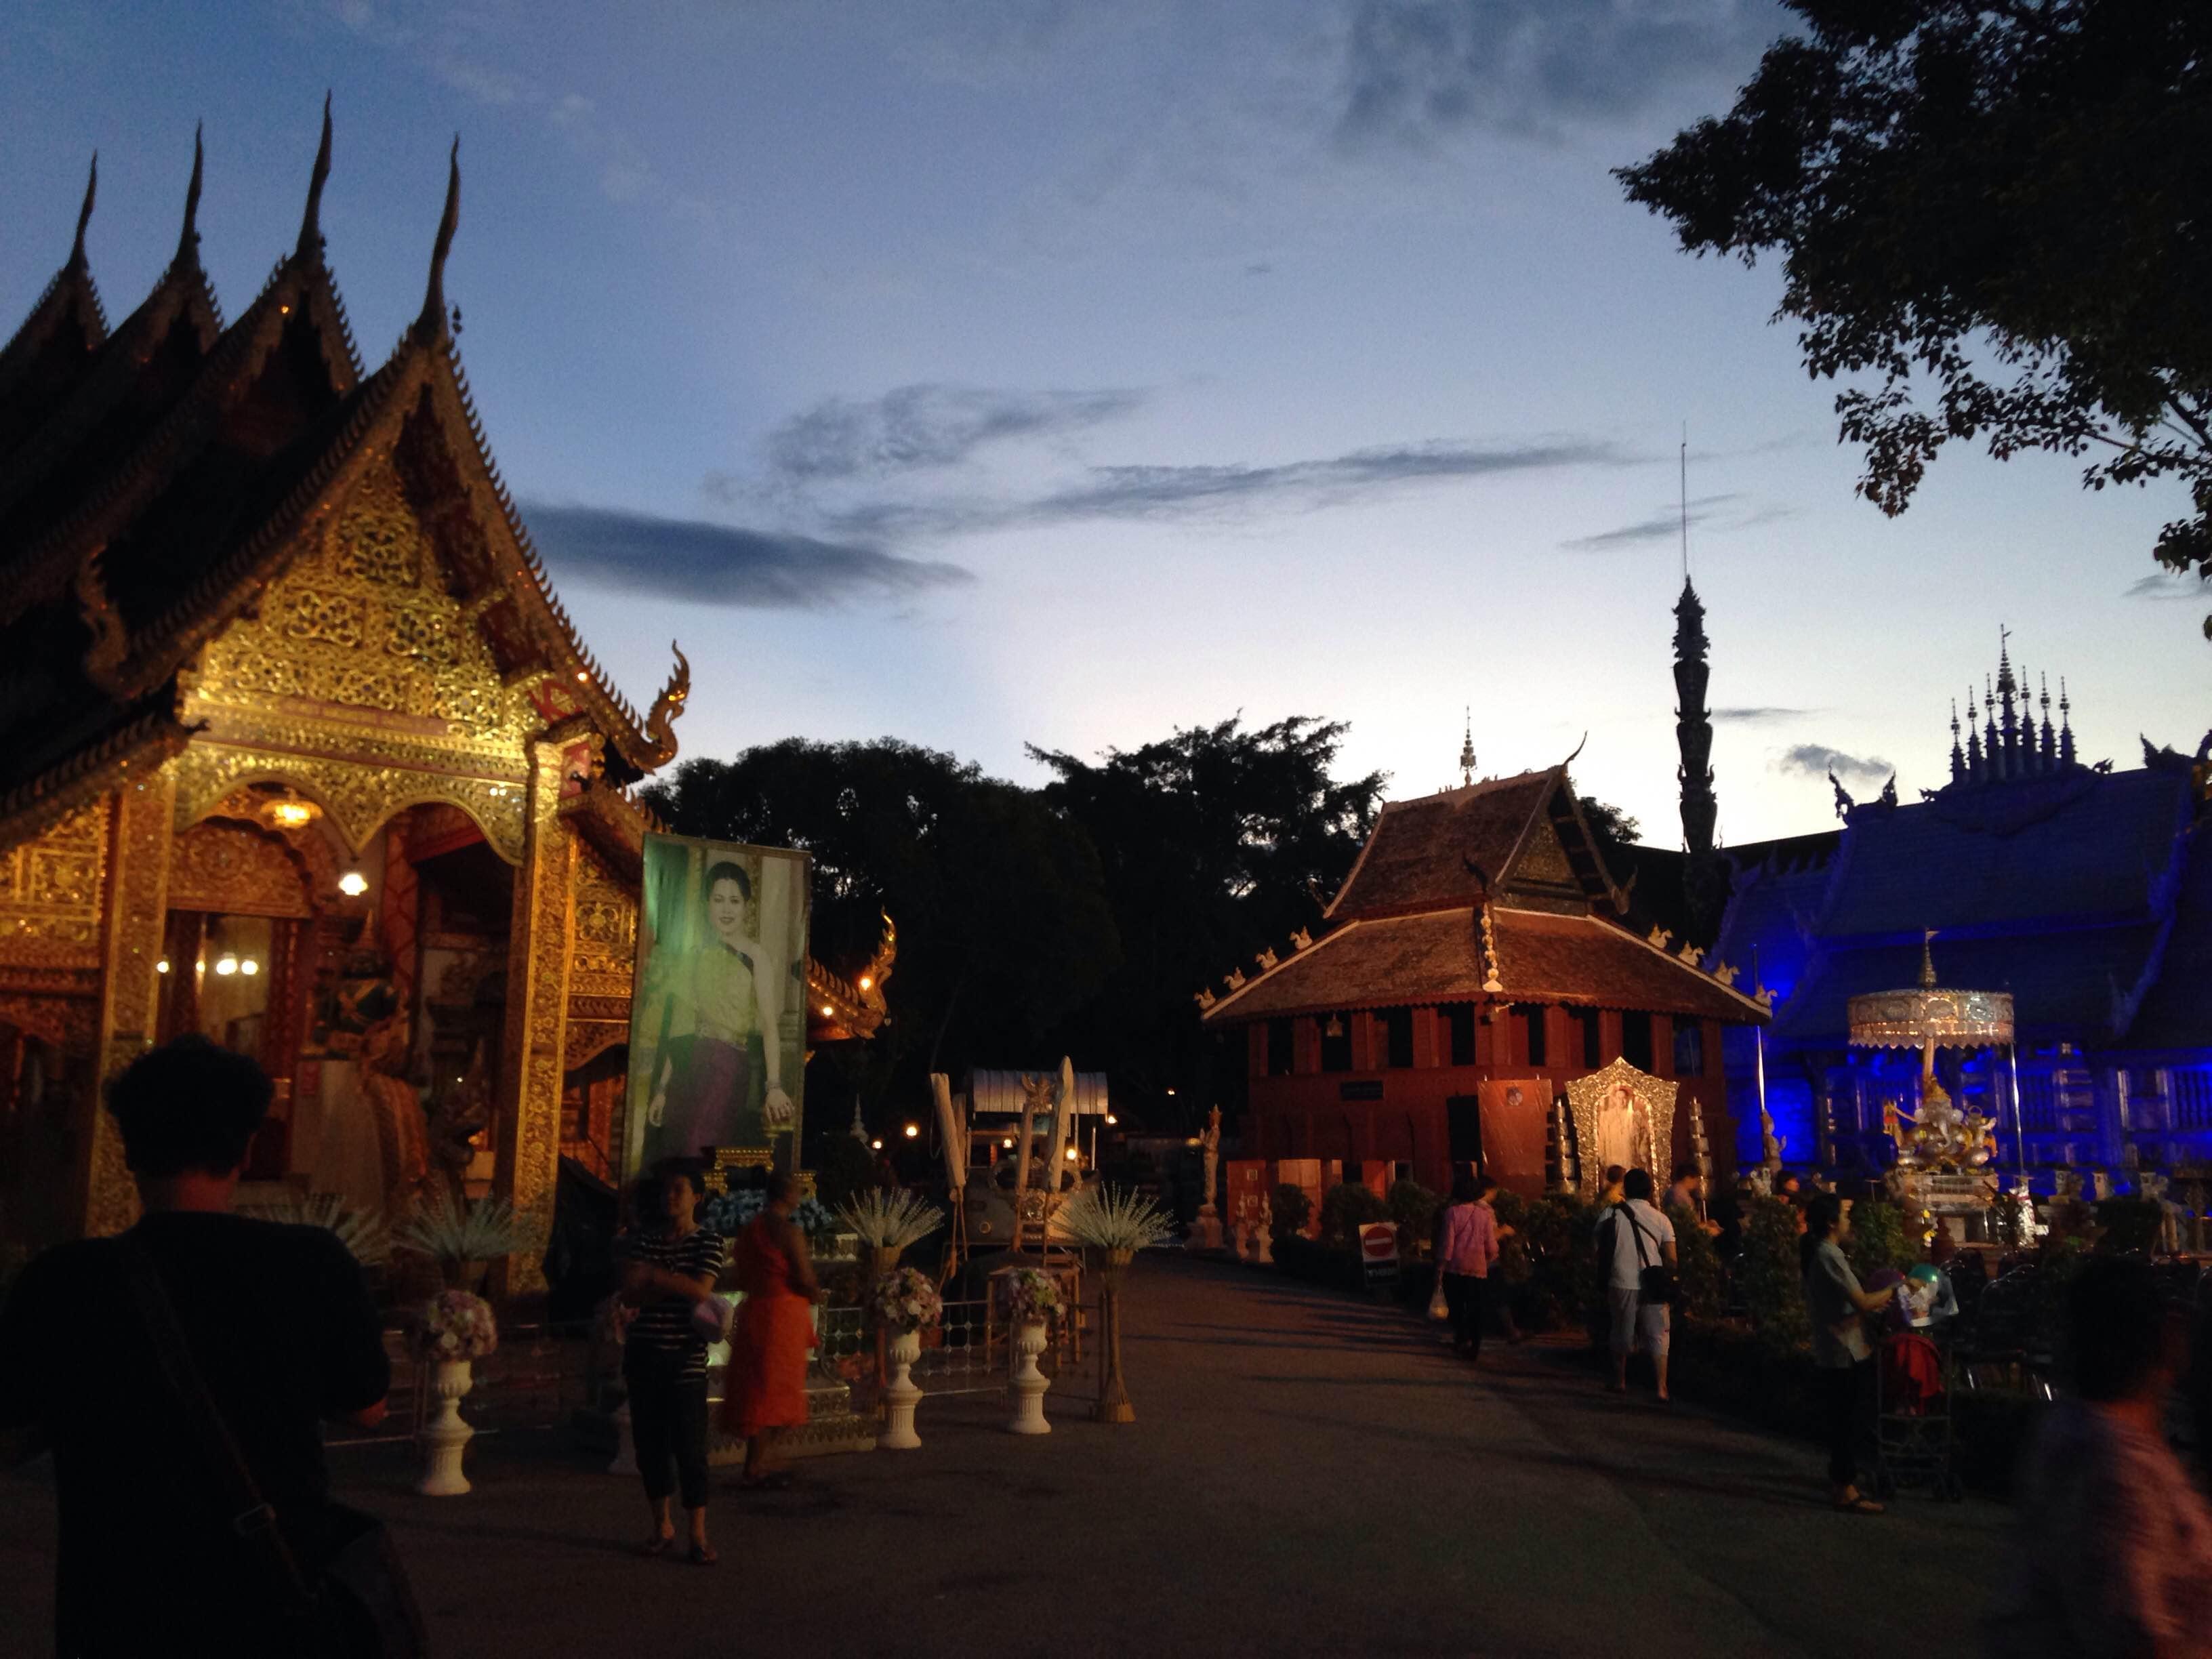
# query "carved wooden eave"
(55, 343)
(180, 322)
(133, 750)
(616, 826)
(525, 604)
(299, 296)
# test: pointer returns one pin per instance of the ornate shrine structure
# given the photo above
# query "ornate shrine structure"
(1475, 970)
(2083, 892)
(299, 748)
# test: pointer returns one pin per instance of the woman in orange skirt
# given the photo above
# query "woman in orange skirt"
(765, 1390)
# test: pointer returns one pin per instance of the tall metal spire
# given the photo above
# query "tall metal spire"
(1466, 751)
(1958, 755)
(1705, 887)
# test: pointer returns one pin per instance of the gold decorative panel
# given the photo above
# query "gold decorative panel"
(363, 620)
(606, 929)
(527, 1132)
(359, 795)
(50, 890)
(137, 903)
(237, 870)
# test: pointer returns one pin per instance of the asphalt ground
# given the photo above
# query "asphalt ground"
(1308, 1475)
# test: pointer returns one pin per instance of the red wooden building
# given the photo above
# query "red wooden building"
(1473, 963)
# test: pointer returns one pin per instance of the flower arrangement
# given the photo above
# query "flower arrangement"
(1113, 1219)
(446, 1231)
(361, 1231)
(729, 1214)
(907, 1300)
(459, 1326)
(891, 1220)
(1032, 1298)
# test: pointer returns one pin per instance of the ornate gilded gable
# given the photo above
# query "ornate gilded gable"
(363, 625)
(51, 889)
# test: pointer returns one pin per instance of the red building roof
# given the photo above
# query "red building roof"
(1439, 956)
(1494, 890)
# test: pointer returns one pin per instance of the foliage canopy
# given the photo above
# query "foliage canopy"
(1999, 213)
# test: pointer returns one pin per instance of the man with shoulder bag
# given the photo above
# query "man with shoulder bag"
(1636, 1251)
(180, 1373)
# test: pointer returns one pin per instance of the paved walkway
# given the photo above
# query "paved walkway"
(1309, 1474)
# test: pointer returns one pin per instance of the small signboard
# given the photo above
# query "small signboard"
(1378, 1251)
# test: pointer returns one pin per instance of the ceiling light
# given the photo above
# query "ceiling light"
(226, 964)
(353, 884)
(249, 967)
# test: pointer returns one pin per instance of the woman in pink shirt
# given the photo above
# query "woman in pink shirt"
(1467, 1248)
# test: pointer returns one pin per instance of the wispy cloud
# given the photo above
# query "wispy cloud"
(913, 428)
(1728, 512)
(463, 47)
(726, 565)
(1754, 716)
(1185, 492)
(1417, 71)
(1813, 760)
(2170, 584)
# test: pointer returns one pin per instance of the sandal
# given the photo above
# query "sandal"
(702, 1555)
(1855, 1506)
(659, 1545)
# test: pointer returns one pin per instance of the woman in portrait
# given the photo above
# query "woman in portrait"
(721, 1085)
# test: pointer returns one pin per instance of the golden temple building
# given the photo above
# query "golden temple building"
(302, 752)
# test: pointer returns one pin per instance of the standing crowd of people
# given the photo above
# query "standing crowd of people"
(182, 1373)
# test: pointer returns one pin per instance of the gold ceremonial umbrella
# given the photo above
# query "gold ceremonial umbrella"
(1930, 1016)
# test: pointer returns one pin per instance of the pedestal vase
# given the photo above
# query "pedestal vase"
(1026, 1387)
(900, 1395)
(445, 1435)
(1113, 1405)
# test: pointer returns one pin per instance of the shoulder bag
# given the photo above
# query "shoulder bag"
(1656, 1283)
(361, 1605)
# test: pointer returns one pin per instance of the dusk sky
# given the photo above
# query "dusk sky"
(986, 372)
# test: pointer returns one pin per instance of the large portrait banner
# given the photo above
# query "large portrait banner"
(717, 1021)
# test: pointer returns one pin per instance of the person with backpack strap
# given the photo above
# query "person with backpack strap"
(1635, 1252)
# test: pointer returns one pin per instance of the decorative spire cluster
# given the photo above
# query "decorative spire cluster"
(1466, 751)
(2015, 737)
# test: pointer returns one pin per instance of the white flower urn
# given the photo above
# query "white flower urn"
(901, 1396)
(1026, 1387)
(445, 1435)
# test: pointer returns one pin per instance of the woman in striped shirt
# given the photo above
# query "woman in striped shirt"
(669, 1267)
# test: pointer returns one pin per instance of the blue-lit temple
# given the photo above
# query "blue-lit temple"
(2083, 891)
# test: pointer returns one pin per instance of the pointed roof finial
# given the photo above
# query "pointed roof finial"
(188, 241)
(1466, 751)
(311, 221)
(84, 213)
(432, 323)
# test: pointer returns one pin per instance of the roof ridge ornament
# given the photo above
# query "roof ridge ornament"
(311, 221)
(188, 241)
(84, 213)
(432, 325)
